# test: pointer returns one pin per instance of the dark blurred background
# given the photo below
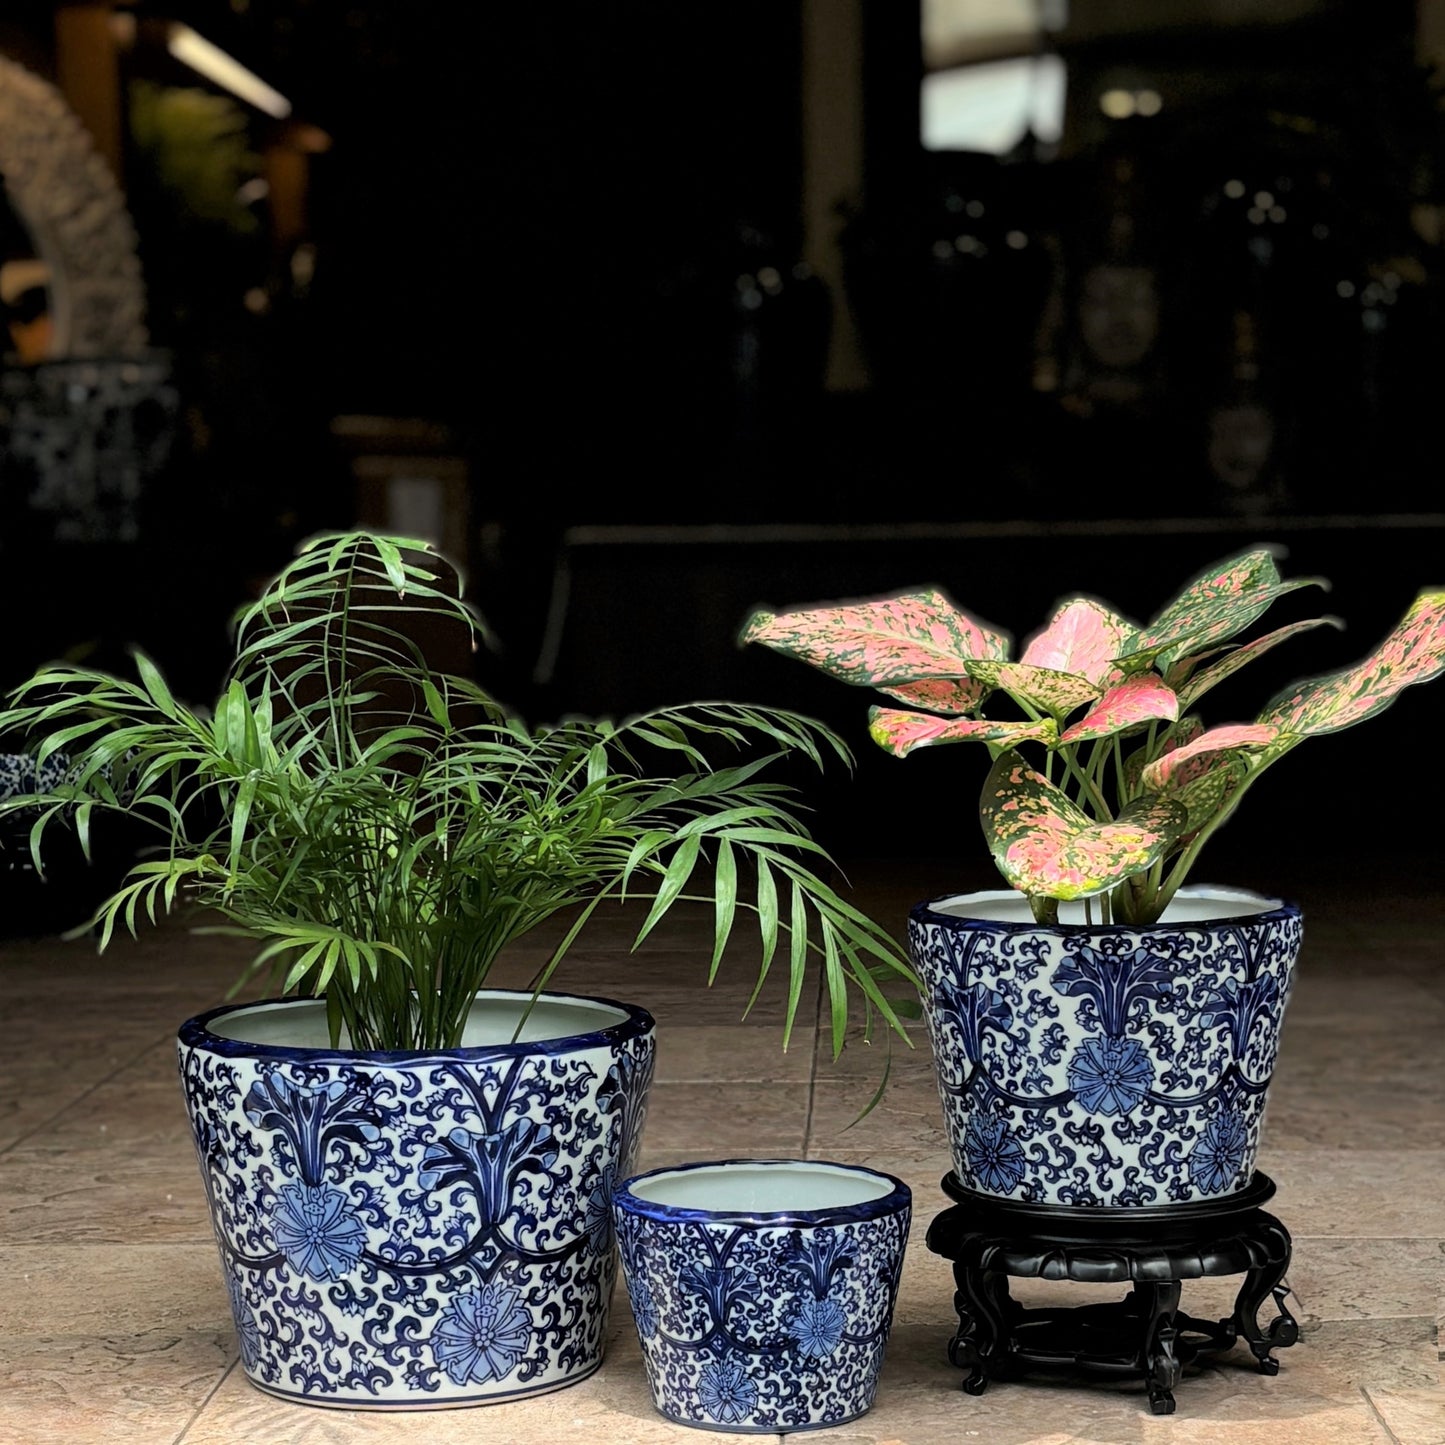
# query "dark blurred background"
(649, 313)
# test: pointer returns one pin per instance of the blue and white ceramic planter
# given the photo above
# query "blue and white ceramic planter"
(415, 1229)
(1109, 1067)
(763, 1290)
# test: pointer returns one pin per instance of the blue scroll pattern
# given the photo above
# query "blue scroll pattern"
(1107, 1067)
(763, 1329)
(418, 1230)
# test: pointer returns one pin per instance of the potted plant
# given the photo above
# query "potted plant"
(1103, 1035)
(410, 1175)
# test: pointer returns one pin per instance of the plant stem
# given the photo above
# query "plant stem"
(1186, 861)
(1086, 785)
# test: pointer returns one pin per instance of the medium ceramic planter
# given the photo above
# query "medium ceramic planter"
(1097, 1066)
(763, 1290)
(412, 1229)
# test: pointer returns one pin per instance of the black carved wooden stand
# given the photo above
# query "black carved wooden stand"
(1146, 1334)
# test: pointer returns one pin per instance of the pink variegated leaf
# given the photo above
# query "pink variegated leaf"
(1178, 673)
(1184, 731)
(1203, 787)
(1082, 637)
(1201, 683)
(1216, 606)
(1046, 846)
(1413, 653)
(952, 695)
(1139, 700)
(900, 732)
(1234, 739)
(1043, 689)
(882, 642)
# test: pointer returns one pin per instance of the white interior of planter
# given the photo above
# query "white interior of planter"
(1189, 905)
(762, 1188)
(301, 1024)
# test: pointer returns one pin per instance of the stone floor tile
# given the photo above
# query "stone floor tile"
(1349, 1088)
(683, 1005)
(108, 1290)
(1227, 1400)
(731, 1122)
(908, 1119)
(598, 970)
(920, 1402)
(1366, 997)
(116, 1167)
(1341, 1356)
(1413, 1417)
(733, 1054)
(39, 1080)
(103, 1195)
(910, 1070)
(612, 1406)
(121, 1387)
(169, 958)
(1357, 1193)
(1354, 1279)
(1327, 1424)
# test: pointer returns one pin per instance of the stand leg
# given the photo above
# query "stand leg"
(981, 1342)
(1259, 1284)
(1161, 1363)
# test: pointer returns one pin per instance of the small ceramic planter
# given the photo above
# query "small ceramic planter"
(1114, 1067)
(763, 1290)
(414, 1229)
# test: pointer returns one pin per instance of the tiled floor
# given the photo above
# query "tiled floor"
(114, 1324)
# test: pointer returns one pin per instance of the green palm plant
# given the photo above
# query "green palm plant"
(384, 830)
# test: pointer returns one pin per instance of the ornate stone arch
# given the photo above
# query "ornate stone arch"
(65, 194)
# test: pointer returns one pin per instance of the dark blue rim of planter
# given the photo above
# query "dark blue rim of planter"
(927, 912)
(196, 1034)
(899, 1197)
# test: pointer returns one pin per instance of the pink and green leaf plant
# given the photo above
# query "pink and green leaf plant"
(1130, 783)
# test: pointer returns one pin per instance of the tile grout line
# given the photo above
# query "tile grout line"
(1380, 1420)
(210, 1395)
(83, 1095)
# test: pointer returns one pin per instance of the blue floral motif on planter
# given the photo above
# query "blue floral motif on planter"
(1094, 1065)
(1215, 1159)
(817, 1326)
(598, 1222)
(644, 1307)
(971, 1011)
(316, 1230)
(409, 1228)
(819, 1256)
(309, 1119)
(1237, 1006)
(994, 1155)
(491, 1163)
(1115, 984)
(1110, 1075)
(769, 1321)
(726, 1392)
(721, 1286)
(483, 1334)
(247, 1331)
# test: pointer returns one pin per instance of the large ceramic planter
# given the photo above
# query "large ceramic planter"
(418, 1229)
(1105, 1066)
(763, 1290)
